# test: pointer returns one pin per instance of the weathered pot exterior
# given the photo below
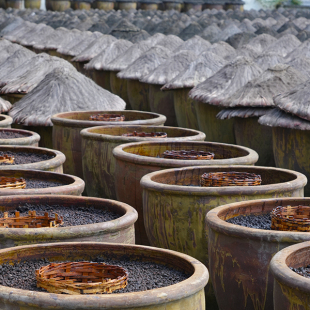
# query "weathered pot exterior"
(45, 134)
(134, 160)
(162, 102)
(5, 121)
(30, 138)
(177, 6)
(233, 6)
(99, 164)
(138, 95)
(15, 4)
(181, 188)
(65, 57)
(119, 87)
(239, 257)
(148, 6)
(250, 133)
(291, 148)
(13, 98)
(33, 4)
(210, 6)
(53, 164)
(60, 5)
(80, 5)
(67, 127)
(216, 130)
(79, 65)
(48, 5)
(102, 5)
(120, 230)
(52, 52)
(192, 6)
(57, 54)
(188, 294)
(127, 6)
(185, 109)
(72, 185)
(101, 77)
(291, 290)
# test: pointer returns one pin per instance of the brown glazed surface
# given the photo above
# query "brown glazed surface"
(239, 257)
(291, 291)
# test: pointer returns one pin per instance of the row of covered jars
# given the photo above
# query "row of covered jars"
(107, 5)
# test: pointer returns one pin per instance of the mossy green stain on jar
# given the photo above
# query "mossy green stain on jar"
(101, 78)
(127, 6)
(291, 149)
(185, 109)
(119, 88)
(175, 206)
(104, 5)
(216, 130)
(177, 6)
(138, 95)
(99, 164)
(80, 5)
(148, 6)
(135, 160)
(60, 5)
(162, 102)
(67, 127)
(33, 4)
(250, 133)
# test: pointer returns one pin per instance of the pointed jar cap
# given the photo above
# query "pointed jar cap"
(63, 90)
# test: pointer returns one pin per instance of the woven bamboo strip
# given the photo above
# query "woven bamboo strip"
(81, 278)
(30, 221)
(7, 159)
(288, 218)
(217, 179)
(188, 155)
(107, 117)
(10, 182)
(146, 134)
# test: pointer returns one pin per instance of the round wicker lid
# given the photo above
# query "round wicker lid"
(11, 182)
(31, 221)
(107, 117)
(145, 134)
(77, 278)
(288, 218)
(188, 155)
(232, 178)
(7, 159)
